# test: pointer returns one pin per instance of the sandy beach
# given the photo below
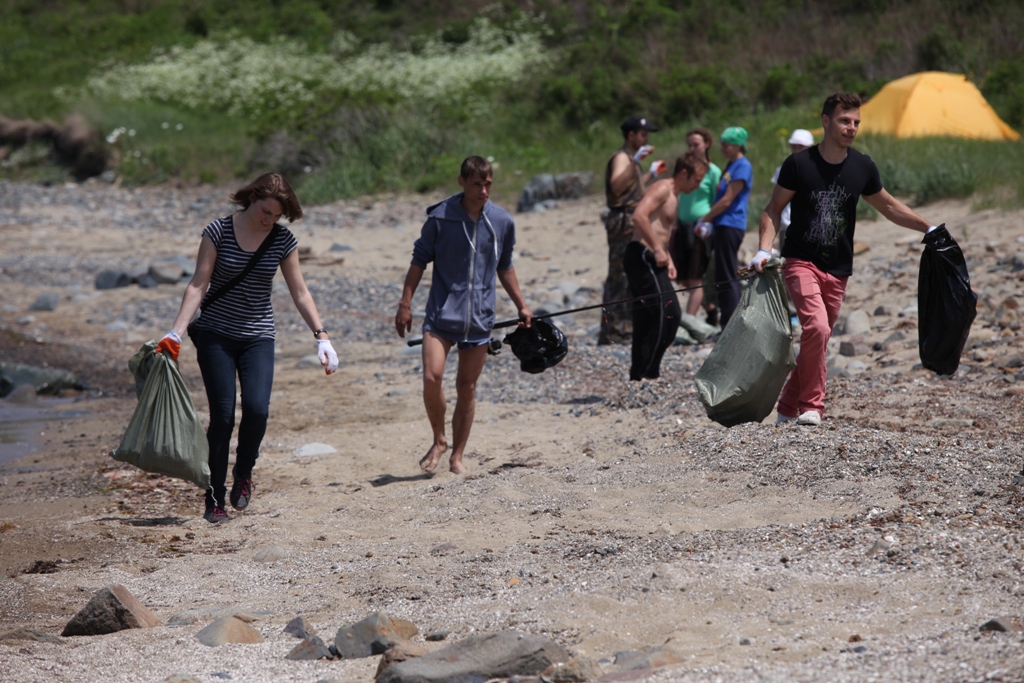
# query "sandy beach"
(604, 514)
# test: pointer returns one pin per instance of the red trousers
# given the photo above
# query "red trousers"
(817, 297)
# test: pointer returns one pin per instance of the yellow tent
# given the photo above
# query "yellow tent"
(933, 103)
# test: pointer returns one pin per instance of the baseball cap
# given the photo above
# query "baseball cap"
(634, 123)
(734, 135)
(801, 137)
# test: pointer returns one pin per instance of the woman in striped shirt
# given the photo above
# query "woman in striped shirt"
(234, 333)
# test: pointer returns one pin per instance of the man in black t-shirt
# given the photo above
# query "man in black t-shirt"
(823, 184)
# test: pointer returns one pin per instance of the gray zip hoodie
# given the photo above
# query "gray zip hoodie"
(466, 256)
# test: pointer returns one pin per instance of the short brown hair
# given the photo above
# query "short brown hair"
(841, 101)
(689, 162)
(709, 139)
(475, 166)
(270, 186)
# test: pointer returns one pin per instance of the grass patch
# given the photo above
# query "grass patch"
(154, 143)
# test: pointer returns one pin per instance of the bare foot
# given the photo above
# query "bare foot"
(456, 466)
(429, 461)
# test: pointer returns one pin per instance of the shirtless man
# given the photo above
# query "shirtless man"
(649, 266)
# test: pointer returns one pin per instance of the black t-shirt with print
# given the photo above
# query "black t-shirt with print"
(824, 208)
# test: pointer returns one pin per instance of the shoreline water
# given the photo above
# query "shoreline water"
(23, 428)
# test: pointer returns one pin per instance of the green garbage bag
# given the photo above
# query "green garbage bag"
(164, 435)
(742, 377)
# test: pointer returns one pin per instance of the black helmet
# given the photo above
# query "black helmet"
(538, 347)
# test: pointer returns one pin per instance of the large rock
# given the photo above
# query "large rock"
(30, 634)
(166, 272)
(270, 554)
(112, 609)
(112, 279)
(311, 647)
(858, 322)
(45, 302)
(43, 380)
(540, 188)
(480, 657)
(576, 670)
(546, 187)
(231, 629)
(400, 651)
(300, 628)
(372, 636)
(573, 185)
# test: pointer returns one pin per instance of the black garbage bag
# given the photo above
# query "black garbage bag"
(946, 306)
(538, 347)
(742, 377)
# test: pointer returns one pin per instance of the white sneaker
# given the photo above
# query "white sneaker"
(812, 418)
(781, 419)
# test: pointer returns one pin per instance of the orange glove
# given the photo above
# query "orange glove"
(170, 345)
(658, 167)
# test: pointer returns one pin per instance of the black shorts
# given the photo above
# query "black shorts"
(689, 252)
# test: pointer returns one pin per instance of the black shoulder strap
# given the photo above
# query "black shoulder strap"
(248, 267)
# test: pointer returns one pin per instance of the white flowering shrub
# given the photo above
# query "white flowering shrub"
(247, 78)
(236, 75)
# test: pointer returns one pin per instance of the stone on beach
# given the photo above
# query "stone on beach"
(311, 647)
(166, 272)
(43, 380)
(30, 634)
(299, 627)
(400, 651)
(857, 322)
(372, 635)
(483, 656)
(315, 449)
(228, 629)
(112, 279)
(45, 302)
(112, 609)
(271, 553)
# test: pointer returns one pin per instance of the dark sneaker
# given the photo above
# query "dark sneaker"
(712, 317)
(241, 492)
(215, 513)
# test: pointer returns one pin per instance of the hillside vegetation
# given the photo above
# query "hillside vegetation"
(349, 98)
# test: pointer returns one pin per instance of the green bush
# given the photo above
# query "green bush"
(782, 86)
(689, 92)
(1004, 89)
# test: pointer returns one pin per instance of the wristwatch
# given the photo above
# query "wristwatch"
(316, 332)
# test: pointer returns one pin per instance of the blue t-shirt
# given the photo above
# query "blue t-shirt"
(736, 215)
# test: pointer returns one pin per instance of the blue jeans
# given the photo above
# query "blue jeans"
(220, 359)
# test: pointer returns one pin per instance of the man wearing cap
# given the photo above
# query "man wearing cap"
(624, 186)
(799, 141)
(726, 222)
(824, 184)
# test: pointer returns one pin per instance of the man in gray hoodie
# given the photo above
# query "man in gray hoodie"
(470, 241)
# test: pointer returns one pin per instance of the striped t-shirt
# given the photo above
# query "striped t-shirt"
(244, 311)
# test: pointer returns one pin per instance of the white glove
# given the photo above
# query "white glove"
(643, 153)
(703, 229)
(658, 167)
(328, 358)
(760, 258)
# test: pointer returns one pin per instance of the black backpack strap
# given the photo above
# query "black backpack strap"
(248, 267)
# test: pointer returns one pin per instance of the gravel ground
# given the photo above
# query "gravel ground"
(605, 514)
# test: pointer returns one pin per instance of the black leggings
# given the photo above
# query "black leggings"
(727, 243)
(655, 318)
